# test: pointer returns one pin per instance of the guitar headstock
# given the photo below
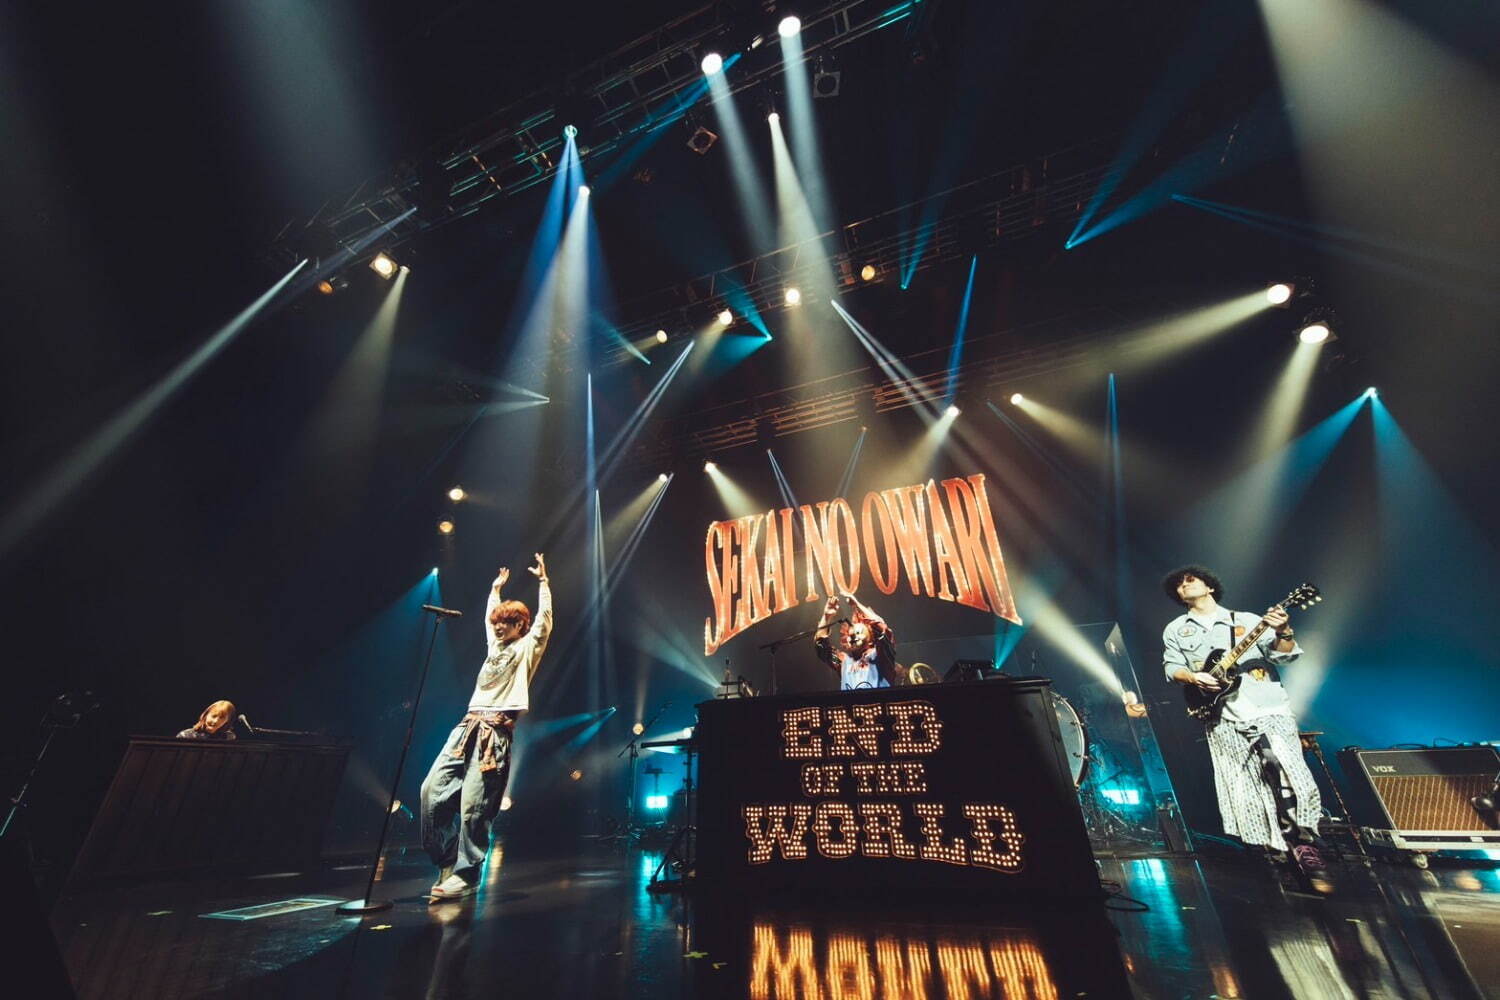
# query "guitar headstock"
(1303, 597)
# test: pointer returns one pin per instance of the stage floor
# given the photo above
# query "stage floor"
(585, 926)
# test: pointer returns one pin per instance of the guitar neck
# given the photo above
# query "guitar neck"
(1243, 646)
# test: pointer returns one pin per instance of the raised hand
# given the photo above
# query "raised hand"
(540, 569)
(502, 576)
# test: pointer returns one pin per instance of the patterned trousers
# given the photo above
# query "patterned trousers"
(1273, 806)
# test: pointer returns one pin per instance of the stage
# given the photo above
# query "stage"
(583, 924)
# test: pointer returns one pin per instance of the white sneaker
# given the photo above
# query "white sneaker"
(443, 876)
(453, 887)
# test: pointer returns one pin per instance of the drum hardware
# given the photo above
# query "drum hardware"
(921, 673)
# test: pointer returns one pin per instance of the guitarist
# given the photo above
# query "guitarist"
(1266, 794)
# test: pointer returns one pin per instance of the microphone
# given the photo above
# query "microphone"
(442, 612)
(248, 728)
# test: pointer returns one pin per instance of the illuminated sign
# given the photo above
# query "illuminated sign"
(941, 536)
(965, 786)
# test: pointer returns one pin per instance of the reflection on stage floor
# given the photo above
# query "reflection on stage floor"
(586, 926)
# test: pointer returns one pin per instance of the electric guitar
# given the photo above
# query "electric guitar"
(1222, 664)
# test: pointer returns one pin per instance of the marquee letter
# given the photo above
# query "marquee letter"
(982, 822)
(904, 718)
(944, 547)
(819, 557)
(846, 839)
(871, 510)
(882, 828)
(909, 518)
(953, 852)
(721, 584)
(766, 827)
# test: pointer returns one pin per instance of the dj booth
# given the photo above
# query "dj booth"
(948, 788)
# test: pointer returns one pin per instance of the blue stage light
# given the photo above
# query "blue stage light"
(656, 802)
(1122, 796)
(712, 63)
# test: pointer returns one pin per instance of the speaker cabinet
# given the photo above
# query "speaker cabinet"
(1419, 800)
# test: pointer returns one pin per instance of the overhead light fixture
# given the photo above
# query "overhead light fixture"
(457, 494)
(575, 774)
(570, 131)
(712, 63)
(661, 477)
(326, 287)
(1314, 333)
(1371, 392)
(583, 190)
(661, 336)
(789, 26)
(725, 317)
(710, 467)
(827, 77)
(445, 526)
(773, 118)
(383, 265)
(793, 296)
(953, 411)
(638, 728)
(702, 140)
(868, 272)
(1279, 294)
(1017, 399)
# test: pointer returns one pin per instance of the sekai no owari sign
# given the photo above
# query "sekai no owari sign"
(939, 539)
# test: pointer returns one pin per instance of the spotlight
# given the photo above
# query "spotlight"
(383, 265)
(712, 63)
(789, 26)
(326, 287)
(702, 140)
(1279, 294)
(661, 477)
(457, 494)
(445, 526)
(773, 118)
(570, 131)
(793, 296)
(656, 802)
(638, 728)
(1314, 333)
(583, 190)
(868, 272)
(661, 336)
(395, 806)
(953, 411)
(1371, 392)
(725, 317)
(575, 774)
(505, 803)
(710, 467)
(1016, 399)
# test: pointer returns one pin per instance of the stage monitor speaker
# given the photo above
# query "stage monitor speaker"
(1422, 799)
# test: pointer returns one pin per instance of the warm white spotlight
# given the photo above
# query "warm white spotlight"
(505, 803)
(710, 467)
(638, 728)
(583, 190)
(773, 118)
(725, 317)
(953, 411)
(1279, 294)
(383, 265)
(457, 494)
(1314, 333)
(1016, 399)
(868, 272)
(789, 26)
(576, 774)
(446, 527)
(326, 287)
(712, 63)
(793, 296)
(661, 477)
(661, 336)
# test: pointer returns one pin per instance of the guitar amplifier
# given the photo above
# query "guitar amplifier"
(1419, 800)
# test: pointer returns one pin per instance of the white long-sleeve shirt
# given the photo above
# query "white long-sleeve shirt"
(504, 683)
(1188, 639)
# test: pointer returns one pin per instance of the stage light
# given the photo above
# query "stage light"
(383, 265)
(656, 802)
(1314, 333)
(457, 494)
(326, 287)
(789, 26)
(395, 806)
(712, 63)
(505, 803)
(710, 467)
(638, 728)
(772, 118)
(1279, 294)
(661, 336)
(725, 317)
(583, 190)
(570, 131)
(575, 774)
(702, 140)
(434, 571)
(1371, 393)
(1016, 399)
(445, 526)
(793, 296)
(953, 411)
(868, 272)
(661, 477)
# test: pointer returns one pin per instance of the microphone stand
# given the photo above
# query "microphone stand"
(634, 749)
(366, 904)
(776, 644)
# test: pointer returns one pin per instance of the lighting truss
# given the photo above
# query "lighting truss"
(639, 87)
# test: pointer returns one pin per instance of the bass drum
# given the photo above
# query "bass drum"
(1075, 738)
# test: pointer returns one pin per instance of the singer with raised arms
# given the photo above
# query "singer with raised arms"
(462, 791)
(866, 653)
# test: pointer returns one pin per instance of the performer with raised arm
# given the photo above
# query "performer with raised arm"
(462, 791)
(866, 654)
(1267, 795)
